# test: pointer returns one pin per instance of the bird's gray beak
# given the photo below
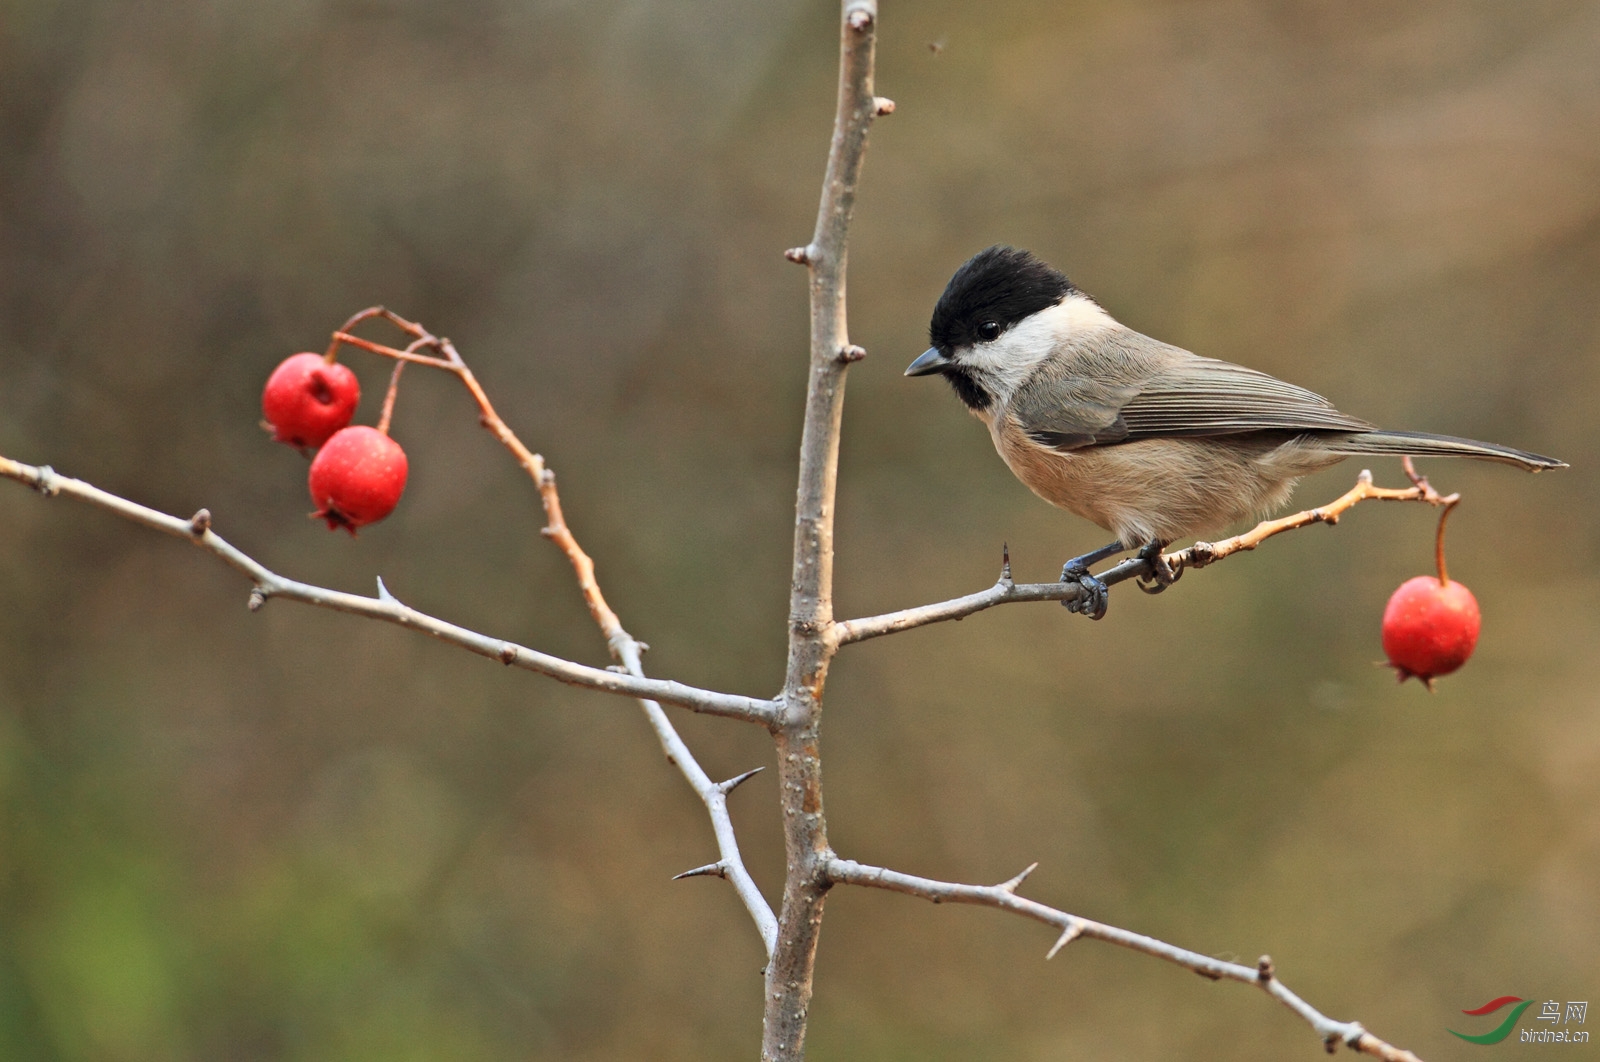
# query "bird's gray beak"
(929, 363)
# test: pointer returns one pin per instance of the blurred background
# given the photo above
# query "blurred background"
(296, 835)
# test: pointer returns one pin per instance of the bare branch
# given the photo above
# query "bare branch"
(1004, 896)
(811, 648)
(1198, 555)
(1203, 553)
(269, 584)
(714, 795)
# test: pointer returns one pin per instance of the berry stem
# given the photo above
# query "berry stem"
(1438, 541)
(341, 336)
(394, 389)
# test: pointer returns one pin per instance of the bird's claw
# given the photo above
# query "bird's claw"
(1162, 573)
(1095, 597)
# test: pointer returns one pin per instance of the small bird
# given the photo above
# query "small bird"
(1147, 440)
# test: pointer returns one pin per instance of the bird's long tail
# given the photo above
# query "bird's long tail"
(1421, 444)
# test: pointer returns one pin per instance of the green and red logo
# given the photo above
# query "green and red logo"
(1575, 1012)
(1501, 1031)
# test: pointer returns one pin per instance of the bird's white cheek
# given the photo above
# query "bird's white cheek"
(1011, 359)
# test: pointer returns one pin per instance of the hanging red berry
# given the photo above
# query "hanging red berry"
(1430, 626)
(308, 398)
(357, 478)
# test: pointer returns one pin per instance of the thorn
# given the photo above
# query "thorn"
(860, 20)
(1264, 969)
(384, 595)
(1073, 931)
(882, 105)
(1365, 477)
(710, 870)
(1016, 882)
(508, 654)
(799, 255)
(1005, 563)
(200, 523)
(258, 598)
(850, 353)
(734, 783)
(644, 647)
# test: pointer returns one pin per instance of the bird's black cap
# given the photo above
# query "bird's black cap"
(1000, 284)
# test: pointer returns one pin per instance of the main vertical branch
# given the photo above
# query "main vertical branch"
(811, 644)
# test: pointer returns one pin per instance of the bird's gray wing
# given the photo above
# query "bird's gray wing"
(1185, 396)
(1072, 412)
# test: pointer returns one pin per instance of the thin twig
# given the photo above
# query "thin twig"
(714, 795)
(1004, 896)
(1203, 553)
(269, 584)
(1198, 555)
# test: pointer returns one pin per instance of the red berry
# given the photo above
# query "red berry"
(357, 478)
(307, 399)
(1430, 628)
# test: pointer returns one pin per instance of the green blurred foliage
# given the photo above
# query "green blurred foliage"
(292, 835)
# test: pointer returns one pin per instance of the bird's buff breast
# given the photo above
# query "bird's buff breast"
(1162, 489)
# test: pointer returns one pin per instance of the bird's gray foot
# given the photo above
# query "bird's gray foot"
(1092, 602)
(1162, 574)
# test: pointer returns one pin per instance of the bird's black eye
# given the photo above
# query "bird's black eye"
(989, 331)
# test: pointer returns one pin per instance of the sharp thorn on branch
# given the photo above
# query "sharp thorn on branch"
(1016, 882)
(710, 870)
(384, 595)
(1005, 563)
(734, 783)
(1073, 931)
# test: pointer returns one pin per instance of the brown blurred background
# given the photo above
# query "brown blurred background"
(295, 835)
